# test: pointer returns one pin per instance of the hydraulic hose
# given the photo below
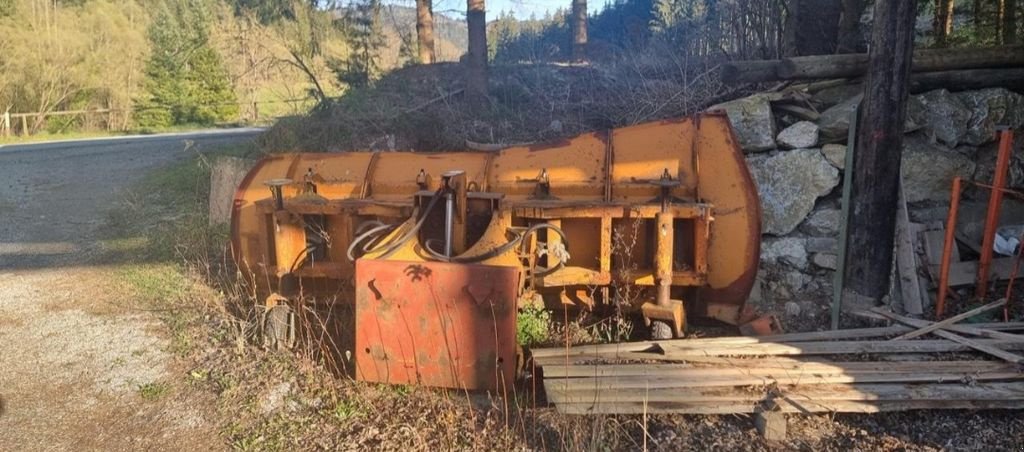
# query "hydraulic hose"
(387, 249)
(501, 249)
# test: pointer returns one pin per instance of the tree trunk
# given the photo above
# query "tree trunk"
(789, 44)
(977, 19)
(943, 25)
(850, 39)
(1000, 20)
(476, 58)
(876, 158)
(579, 30)
(817, 30)
(425, 30)
(1010, 23)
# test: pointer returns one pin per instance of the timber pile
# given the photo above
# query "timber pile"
(933, 68)
(795, 373)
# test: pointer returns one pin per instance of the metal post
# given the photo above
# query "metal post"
(995, 204)
(947, 248)
(449, 222)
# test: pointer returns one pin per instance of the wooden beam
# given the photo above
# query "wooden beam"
(952, 320)
(876, 169)
(906, 259)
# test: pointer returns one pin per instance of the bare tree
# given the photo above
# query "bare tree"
(425, 30)
(943, 23)
(1010, 23)
(476, 58)
(579, 30)
(850, 40)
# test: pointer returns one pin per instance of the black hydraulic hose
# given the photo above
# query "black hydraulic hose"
(391, 247)
(502, 249)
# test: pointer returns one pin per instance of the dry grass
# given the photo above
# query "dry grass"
(422, 107)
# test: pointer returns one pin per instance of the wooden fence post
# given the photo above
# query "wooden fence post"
(6, 126)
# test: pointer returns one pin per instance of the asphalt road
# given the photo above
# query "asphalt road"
(53, 194)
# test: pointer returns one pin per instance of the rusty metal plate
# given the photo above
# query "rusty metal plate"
(436, 324)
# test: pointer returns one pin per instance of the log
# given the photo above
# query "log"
(1012, 78)
(928, 60)
(752, 71)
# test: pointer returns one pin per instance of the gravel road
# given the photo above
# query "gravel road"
(72, 363)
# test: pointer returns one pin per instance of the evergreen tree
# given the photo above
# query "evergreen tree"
(366, 37)
(186, 81)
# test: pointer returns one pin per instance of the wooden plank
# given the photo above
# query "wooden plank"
(834, 406)
(933, 242)
(764, 368)
(799, 394)
(923, 275)
(810, 378)
(631, 350)
(678, 353)
(966, 273)
(956, 328)
(906, 260)
(994, 351)
(952, 320)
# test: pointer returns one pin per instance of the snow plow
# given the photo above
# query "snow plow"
(436, 252)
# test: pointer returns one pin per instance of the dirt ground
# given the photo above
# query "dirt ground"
(82, 367)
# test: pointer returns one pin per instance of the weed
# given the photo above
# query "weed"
(153, 391)
(533, 325)
(345, 410)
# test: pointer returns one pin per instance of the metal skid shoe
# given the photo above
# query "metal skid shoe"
(665, 321)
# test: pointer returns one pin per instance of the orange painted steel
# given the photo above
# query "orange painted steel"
(947, 247)
(577, 218)
(995, 204)
(436, 324)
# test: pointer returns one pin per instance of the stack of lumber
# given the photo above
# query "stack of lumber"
(858, 370)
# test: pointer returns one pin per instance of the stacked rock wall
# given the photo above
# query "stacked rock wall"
(798, 164)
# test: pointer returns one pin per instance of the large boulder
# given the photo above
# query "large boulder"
(946, 116)
(990, 108)
(789, 182)
(929, 169)
(985, 159)
(822, 223)
(835, 154)
(834, 123)
(803, 134)
(752, 121)
(791, 251)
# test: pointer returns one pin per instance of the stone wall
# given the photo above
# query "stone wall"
(797, 157)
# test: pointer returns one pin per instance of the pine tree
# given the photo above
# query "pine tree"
(366, 38)
(186, 81)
